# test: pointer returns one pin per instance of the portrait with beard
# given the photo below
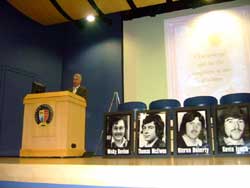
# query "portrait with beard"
(232, 124)
(192, 131)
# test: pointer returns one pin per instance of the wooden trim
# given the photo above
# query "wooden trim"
(60, 10)
(51, 153)
(95, 7)
(55, 96)
(132, 4)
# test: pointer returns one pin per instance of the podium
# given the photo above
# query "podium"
(53, 125)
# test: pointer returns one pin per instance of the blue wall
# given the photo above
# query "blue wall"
(96, 53)
(28, 51)
(30, 47)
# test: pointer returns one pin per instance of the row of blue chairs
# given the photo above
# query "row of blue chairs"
(170, 104)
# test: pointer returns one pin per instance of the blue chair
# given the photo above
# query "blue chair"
(235, 98)
(169, 104)
(164, 104)
(132, 106)
(209, 101)
(200, 101)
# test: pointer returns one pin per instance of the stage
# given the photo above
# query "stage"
(124, 172)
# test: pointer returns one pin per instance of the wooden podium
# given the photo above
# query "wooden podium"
(53, 125)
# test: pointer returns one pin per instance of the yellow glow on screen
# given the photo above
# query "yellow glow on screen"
(214, 29)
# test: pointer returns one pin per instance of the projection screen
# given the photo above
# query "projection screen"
(203, 51)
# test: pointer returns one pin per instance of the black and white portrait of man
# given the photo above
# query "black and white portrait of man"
(152, 133)
(117, 138)
(192, 132)
(232, 129)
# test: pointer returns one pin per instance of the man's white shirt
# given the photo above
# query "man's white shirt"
(75, 89)
(191, 142)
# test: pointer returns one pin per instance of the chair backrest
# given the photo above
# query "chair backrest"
(132, 106)
(164, 104)
(169, 104)
(235, 98)
(200, 101)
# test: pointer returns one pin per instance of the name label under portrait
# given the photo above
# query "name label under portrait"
(152, 151)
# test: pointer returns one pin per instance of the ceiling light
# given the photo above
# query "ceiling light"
(90, 18)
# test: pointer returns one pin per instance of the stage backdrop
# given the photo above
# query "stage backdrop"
(203, 51)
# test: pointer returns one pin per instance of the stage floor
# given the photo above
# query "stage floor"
(171, 161)
(127, 172)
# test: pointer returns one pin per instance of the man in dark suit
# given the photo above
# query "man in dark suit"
(77, 88)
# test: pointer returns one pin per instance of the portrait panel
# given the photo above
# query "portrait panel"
(232, 131)
(118, 138)
(192, 132)
(152, 133)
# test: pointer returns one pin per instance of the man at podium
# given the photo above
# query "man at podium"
(77, 88)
